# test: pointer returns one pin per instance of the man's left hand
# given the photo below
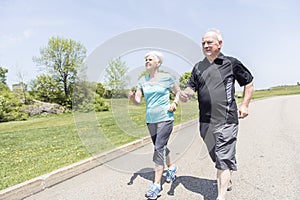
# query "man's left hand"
(243, 111)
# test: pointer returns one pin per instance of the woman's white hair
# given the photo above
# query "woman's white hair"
(157, 55)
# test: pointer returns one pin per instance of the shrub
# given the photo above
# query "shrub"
(100, 104)
(10, 107)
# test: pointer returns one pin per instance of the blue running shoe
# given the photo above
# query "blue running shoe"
(154, 192)
(171, 174)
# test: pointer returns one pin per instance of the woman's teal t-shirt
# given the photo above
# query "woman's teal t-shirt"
(157, 96)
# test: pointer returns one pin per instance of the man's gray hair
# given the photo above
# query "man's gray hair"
(159, 56)
(217, 33)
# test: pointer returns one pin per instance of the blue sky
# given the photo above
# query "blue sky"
(264, 35)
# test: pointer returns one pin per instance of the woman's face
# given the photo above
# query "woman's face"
(151, 62)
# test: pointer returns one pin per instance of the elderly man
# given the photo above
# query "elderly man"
(213, 79)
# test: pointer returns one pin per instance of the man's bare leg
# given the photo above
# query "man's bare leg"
(223, 178)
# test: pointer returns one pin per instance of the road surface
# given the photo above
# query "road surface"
(267, 154)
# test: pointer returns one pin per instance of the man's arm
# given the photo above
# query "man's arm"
(248, 92)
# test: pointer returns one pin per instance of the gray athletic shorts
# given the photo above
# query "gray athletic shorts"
(221, 144)
(160, 133)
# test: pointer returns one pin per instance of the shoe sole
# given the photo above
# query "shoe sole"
(153, 198)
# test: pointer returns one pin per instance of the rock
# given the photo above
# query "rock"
(39, 108)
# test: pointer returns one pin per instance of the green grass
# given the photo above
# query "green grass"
(37, 146)
(273, 91)
(277, 91)
(42, 144)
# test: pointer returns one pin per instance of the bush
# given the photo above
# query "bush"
(10, 107)
(100, 104)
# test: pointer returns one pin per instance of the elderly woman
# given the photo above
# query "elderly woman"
(156, 88)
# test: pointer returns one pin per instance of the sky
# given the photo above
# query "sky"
(263, 35)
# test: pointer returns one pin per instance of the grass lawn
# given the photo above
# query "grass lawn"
(42, 144)
(37, 146)
(277, 91)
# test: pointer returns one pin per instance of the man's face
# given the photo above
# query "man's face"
(211, 45)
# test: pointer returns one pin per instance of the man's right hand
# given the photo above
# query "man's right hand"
(185, 95)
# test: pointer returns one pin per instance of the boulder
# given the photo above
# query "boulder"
(39, 108)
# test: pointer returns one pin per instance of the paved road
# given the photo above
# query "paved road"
(268, 163)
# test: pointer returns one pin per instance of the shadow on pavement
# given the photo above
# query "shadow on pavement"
(146, 173)
(207, 188)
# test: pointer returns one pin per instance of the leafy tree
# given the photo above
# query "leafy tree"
(107, 94)
(146, 72)
(84, 96)
(44, 88)
(115, 78)
(63, 58)
(184, 79)
(3, 72)
(100, 89)
(3, 86)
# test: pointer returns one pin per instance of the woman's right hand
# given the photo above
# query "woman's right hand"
(135, 96)
(131, 95)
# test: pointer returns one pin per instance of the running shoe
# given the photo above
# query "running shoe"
(154, 192)
(171, 174)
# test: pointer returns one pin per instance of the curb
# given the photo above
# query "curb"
(38, 184)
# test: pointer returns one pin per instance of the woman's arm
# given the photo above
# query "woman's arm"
(176, 90)
(135, 97)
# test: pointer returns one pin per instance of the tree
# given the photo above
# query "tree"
(84, 96)
(184, 79)
(115, 78)
(44, 88)
(100, 89)
(3, 72)
(63, 58)
(23, 86)
(3, 86)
